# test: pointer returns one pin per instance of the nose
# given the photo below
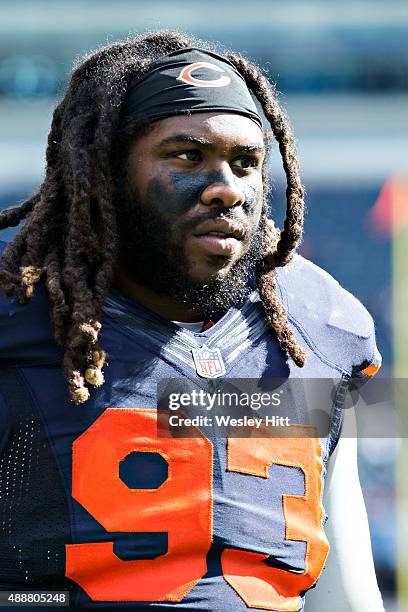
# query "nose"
(223, 191)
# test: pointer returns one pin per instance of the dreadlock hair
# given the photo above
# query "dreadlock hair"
(70, 237)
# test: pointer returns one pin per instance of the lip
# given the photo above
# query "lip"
(225, 226)
(216, 245)
(226, 245)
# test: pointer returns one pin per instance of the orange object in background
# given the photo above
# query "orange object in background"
(390, 211)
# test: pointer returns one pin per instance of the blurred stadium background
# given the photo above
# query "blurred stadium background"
(342, 70)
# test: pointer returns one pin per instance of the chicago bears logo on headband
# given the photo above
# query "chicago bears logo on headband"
(186, 76)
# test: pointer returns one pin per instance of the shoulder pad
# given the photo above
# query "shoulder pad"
(331, 320)
(25, 330)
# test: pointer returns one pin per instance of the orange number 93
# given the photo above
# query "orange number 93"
(182, 507)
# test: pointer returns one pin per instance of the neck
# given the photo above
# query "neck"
(163, 305)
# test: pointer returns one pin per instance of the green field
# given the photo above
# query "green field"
(401, 371)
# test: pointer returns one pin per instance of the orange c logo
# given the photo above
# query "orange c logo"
(186, 76)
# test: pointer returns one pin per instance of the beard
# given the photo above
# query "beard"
(152, 257)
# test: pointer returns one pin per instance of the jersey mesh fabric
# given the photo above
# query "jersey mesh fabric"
(34, 517)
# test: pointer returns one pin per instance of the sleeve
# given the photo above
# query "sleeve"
(372, 362)
(348, 583)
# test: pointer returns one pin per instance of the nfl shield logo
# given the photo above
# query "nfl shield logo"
(208, 362)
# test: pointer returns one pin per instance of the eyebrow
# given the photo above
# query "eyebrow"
(203, 142)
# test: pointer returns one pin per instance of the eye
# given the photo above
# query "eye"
(245, 162)
(192, 155)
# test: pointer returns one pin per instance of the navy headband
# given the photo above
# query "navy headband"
(190, 81)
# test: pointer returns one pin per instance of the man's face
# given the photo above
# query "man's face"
(192, 206)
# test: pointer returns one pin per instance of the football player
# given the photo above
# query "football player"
(147, 254)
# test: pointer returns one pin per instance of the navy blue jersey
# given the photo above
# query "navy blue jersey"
(93, 501)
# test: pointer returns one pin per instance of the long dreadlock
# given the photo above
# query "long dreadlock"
(70, 237)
